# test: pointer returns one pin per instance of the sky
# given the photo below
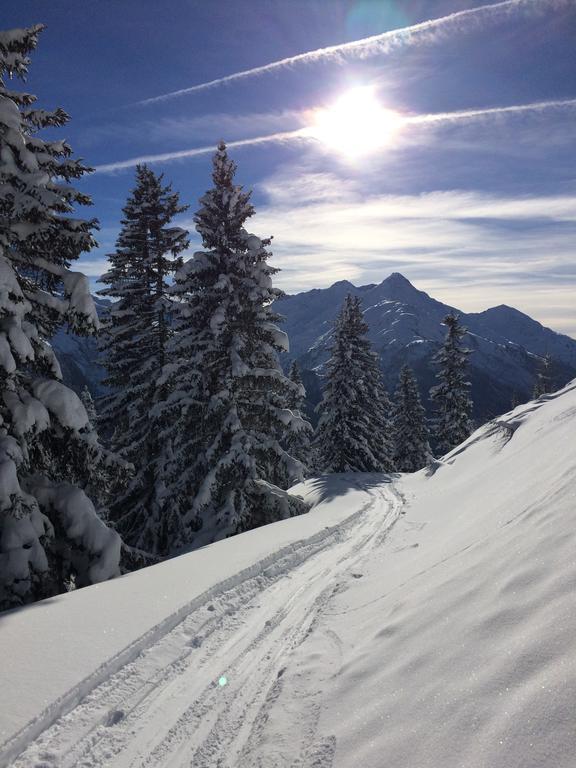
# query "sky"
(469, 189)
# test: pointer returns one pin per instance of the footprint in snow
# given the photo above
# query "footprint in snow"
(114, 717)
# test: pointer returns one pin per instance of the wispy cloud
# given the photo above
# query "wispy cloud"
(433, 30)
(306, 134)
(463, 247)
(196, 128)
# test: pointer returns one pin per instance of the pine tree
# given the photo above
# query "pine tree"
(298, 441)
(50, 533)
(89, 407)
(409, 429)
(134, 346)
(229, 394)
(542, 384)
(353, 433)
(451, 396)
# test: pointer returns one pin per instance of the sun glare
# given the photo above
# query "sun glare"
(356, 124)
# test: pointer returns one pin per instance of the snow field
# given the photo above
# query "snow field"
(160, 693)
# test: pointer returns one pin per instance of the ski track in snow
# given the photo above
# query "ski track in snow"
(166, 707)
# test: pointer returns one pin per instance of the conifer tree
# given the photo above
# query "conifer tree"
(50, 533)
(89, 407)
(134, 347)
(229, 394)
(409, 429)
(451, 397)
(298, 441)
(542, 384)
(353, 433)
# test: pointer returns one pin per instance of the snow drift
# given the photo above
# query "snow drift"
(425, 621)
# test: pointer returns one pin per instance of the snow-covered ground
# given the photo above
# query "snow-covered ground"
(427, 622)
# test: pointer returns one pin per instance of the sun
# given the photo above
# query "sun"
(356, 124)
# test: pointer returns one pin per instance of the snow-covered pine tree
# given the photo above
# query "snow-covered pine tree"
(50, 533)
(409, 428)
(298, 442)
(229, 392)
(89, 407)
(451, 397)
(353, 433)
(542, 385)
(134, 346)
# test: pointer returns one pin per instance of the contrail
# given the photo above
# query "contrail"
(469, 114)
(376, 44)
(300, 133)
(307, 134)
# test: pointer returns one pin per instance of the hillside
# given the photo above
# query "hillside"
(423, 620)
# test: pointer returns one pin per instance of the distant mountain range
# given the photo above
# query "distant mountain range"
(405, 327)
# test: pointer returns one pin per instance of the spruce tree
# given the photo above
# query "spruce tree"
(451, 397)
(298, 441)
(542, 384)
(134, 346)
(50, 534)
(229, 395)
(409, 429)
(353, 433)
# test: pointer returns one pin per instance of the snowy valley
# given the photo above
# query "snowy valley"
(414, 620)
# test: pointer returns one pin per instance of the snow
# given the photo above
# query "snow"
(62, 402)
(419, 621)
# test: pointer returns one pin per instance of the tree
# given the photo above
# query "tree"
(451, 397)
(50, 533)
(229, 396)
(89, 407)
(409, 429)
(134, 346)
(353, 433)
(542, 383)
(298, 441)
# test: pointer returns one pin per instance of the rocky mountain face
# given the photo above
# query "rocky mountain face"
(405, 327)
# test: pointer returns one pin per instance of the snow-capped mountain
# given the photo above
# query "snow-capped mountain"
(406, 327)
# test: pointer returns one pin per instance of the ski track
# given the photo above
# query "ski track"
(166, 709)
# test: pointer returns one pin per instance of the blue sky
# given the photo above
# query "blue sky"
(477, 209)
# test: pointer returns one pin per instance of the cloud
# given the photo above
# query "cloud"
(426, 32)
(469, 249)
(307, 134)
(199, 127)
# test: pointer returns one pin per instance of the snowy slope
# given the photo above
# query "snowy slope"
(341, 638)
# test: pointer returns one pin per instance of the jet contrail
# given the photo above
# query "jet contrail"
(376, 44)
(300, 133)
(469, 114)
(307, 134)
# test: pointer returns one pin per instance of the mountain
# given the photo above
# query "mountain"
(406, 327)
(418, 620)
(78, 356)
